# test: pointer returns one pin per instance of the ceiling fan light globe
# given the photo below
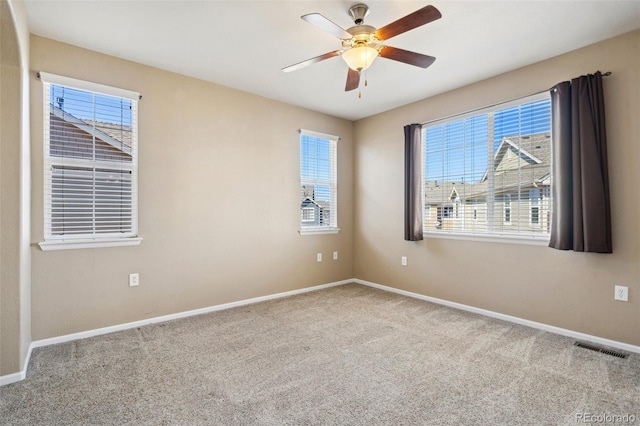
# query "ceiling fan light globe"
(360, 58)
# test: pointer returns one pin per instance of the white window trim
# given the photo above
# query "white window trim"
(522, 238)
(88, 86)
(333, 228)
(53, 242)
(318, 230)
(86, 243)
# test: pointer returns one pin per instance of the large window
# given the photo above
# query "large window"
(318, 183)
(493, 168)
(90, 163)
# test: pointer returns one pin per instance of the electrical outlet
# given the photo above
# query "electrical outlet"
(335, 255)
(403, 261)
(621, 293)
(319, 257)
(134, 279)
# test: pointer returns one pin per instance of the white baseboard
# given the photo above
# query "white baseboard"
(20, 375)
(533, 324)
(12, 378)
(134, 324)
(16, 377)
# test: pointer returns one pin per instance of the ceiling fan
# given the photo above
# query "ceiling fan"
(361, 44)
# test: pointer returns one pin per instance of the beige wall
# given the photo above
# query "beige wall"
(219, 202)
(563, 289)
(9, 193)
(15, 299)
(219, 218)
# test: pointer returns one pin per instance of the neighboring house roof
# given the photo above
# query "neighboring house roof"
(97, 131)
(321, 204)
(519, 161)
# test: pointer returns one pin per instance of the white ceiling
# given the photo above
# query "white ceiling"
(244, 44)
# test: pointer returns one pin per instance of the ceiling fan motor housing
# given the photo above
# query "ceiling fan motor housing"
(358, 13)
(361, 44)
(362, 35)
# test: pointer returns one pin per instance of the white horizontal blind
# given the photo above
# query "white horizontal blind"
(489, 172)
(90, 152)
(318, 181)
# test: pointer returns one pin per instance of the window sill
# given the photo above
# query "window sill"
(88, 243)
(494, 238)
(319, 231)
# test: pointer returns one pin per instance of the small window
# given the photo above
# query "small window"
(318, 183)
(90, 163)
(308, 214)
(507, 209)
(534, 208)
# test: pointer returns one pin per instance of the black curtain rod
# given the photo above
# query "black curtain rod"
(605, 74)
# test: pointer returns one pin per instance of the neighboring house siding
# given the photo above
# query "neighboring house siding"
(521, 185)
(97, 193)
(314, 213)
(69, 140)
(471, 215)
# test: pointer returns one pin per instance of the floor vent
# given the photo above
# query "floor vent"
(601, 350)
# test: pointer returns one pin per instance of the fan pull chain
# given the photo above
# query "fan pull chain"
(366, 83)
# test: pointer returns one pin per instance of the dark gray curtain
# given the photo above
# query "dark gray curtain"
(412, 183)
(581, 208)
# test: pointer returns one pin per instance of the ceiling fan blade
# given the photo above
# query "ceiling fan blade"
(311, 61)
(406, 56)
(326, 25)
(353, 80)
(409, 22)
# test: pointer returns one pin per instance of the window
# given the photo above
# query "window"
(507, 209)
(495, 165)
(318, 183)
(308, 214)
(534, 208)
(90, 164)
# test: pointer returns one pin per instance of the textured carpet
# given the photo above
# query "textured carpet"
(345, 355)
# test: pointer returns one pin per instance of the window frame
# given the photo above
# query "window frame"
(332, 182)
(50, 162)
(540, 239)
(534, 203)
(507, 212)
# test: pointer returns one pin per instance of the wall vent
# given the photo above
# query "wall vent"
(601, 350)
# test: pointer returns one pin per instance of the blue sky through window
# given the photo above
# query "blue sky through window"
(457, 151)
(80, 104)
(315, 165)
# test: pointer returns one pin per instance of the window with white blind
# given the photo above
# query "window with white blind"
(90, 164)
(318, 183)
(491, 167)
